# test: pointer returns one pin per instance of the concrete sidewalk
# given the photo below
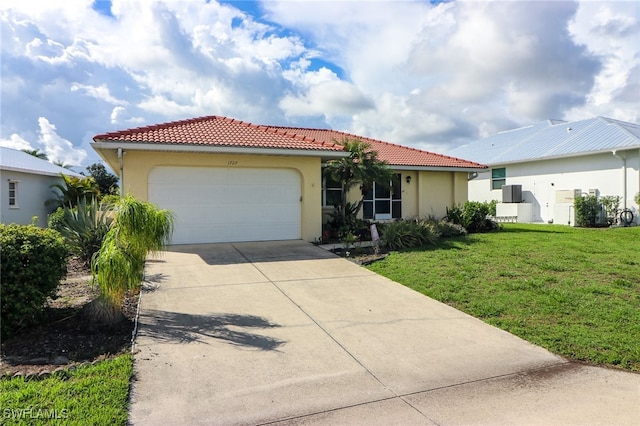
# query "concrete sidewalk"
(288, 333)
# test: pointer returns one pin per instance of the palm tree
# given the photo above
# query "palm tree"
(138, 229)
(361, 168)
(72, 190)
(63, 165)
(36, 153)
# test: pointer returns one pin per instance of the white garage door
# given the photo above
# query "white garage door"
(228, 204)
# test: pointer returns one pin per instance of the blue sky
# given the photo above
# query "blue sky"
(432, 75)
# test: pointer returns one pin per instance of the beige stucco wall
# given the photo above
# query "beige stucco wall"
(429, 193)
(138, 165)
(439, 190)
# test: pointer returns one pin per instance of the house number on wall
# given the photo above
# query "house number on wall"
(232, 163)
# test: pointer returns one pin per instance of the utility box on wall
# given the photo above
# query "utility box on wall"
(567, 195)
(564, 212)
(511, 193)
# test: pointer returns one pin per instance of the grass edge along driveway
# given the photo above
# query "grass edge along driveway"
(89, 395)
(573, 291)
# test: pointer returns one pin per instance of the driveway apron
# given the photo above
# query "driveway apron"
(288, 333)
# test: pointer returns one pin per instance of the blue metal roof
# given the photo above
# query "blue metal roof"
(552, 139)
(18, 161)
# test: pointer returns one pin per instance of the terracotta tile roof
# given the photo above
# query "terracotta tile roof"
(394, 155)
(223, 131)
(217, 131)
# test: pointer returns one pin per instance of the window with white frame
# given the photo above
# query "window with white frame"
(498, 178)
(383, 202)
(331, 192)
(13, 194)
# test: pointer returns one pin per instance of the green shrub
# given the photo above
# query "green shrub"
(472, 215)
(587, 210)
(72, 190)
(33, 260)
(454, 215)
(610, 205)
(341, 225)
(139, 228)
(55, 218)
(109, 200)
(403, 234)
(448, 229)
(84, 228)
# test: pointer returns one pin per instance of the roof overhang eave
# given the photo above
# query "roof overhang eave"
(38, 172)
(438, 168)
(138, 146)
(572, 155)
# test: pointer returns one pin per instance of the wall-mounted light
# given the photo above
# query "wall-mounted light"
(408, 179)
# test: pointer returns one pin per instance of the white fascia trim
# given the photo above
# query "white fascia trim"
(559, 157)
(136, 146)
(437, 168)
(39, 172)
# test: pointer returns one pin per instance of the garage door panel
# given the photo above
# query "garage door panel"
(227, 205)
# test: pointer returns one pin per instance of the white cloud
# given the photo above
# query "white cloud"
(56, 147)
(322, 93)
(404, 71)
(99, 92)
(611, 31)
(16, 141)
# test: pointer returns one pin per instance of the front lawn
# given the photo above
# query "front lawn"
(573, 291)
(90, 395)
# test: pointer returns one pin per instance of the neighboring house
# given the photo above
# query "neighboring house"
(26, 185)
(554, 161)
(228, 180)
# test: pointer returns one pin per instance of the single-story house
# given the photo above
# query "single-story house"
(227, 180)
(552, 162)
(26, 186)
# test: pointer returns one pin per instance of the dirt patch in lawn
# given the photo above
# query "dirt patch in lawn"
(65, 336)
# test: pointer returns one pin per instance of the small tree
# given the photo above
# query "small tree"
(610, 205)
(361, 168)
(107, 182)
(587, 210)
(138, 229)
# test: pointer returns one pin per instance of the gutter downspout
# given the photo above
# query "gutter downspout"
(624, 177)
(121, 163)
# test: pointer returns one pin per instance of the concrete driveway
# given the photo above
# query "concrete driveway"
(288, 333)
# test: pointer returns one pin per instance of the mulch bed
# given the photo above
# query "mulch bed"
(361, 255)
(65, 337)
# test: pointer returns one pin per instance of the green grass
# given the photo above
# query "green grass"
(571, 290)
(90, 395)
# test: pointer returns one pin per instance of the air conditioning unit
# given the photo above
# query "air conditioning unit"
(511, 193)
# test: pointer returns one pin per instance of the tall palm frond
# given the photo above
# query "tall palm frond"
(360, 169)
(36, 153)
